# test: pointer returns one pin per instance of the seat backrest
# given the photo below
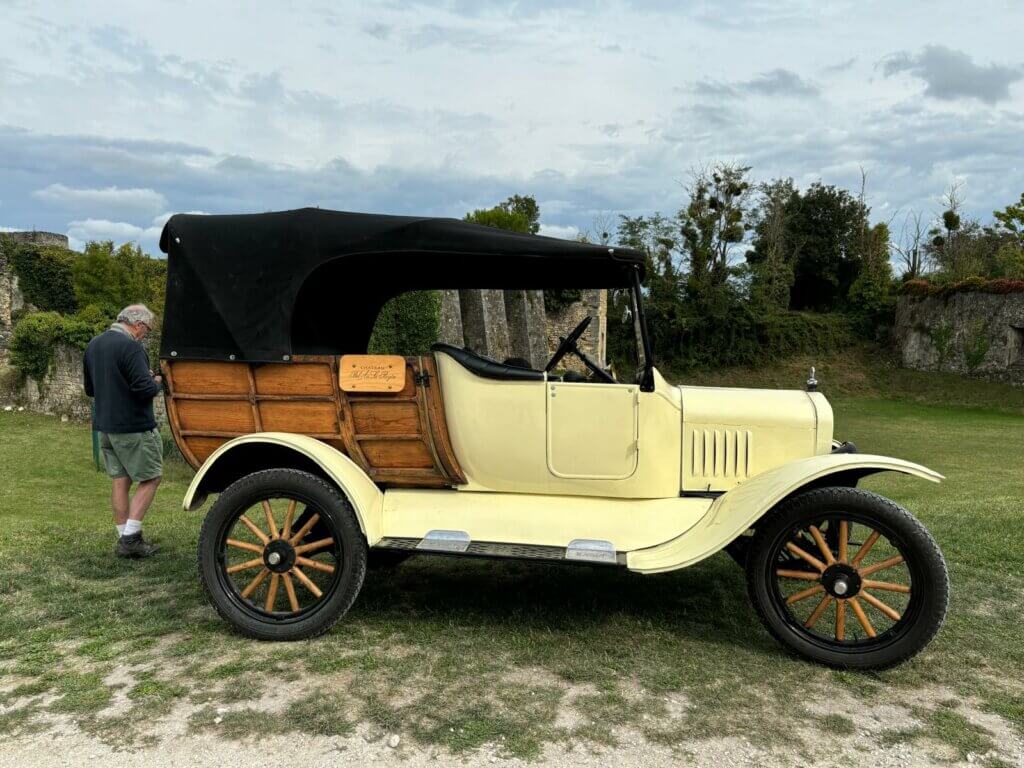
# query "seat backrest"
(489, 369)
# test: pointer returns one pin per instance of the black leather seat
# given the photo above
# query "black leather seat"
(484, 366)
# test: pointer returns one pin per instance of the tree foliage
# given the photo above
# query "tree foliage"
(407, 324)
(112, 278)
(44, 274)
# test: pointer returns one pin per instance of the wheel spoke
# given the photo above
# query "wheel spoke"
(255, 583)
(304, 529)
(885, 586)
(844, 541)
(271, 525)
(306, 582)
(862, 617)
(255, 529)
(805, 556)
(254, 563)
(314, 564)
(289, 516)
(896, 560)
(872, 600)
(785, 573)
(289, 588)
(841, 620)
(816, 614)
(820, 541)
(275, 582)
(865, 548)
(245, 545)
(804, 594)
(313, 546)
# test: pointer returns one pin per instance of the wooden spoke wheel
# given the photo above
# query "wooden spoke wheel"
(848, 578)
(281, 555)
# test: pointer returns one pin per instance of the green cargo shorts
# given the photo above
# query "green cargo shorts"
(138, 455)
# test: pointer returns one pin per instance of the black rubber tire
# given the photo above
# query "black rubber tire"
(923, 557)
(340, 520)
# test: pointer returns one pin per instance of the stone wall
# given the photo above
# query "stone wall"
(595, 341)
(977, 334)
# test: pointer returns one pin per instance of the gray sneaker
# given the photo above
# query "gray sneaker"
(134, 547)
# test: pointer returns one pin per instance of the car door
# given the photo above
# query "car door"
(592, 430)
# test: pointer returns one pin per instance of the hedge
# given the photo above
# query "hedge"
(37, 334)
(407, 324)
(921, 288)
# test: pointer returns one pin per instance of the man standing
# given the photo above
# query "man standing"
(118, 376)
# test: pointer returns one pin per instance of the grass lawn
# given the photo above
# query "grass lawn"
(463, 653)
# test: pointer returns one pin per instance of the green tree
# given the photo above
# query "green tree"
(772, 258)
(872, 288)
(110, 278)
(712, 224)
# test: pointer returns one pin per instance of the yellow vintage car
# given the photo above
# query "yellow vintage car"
(325, 459)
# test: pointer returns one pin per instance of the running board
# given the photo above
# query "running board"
(582, 551)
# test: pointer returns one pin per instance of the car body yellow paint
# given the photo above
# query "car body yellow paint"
(735, 511)
(548, 462)
(366, 498)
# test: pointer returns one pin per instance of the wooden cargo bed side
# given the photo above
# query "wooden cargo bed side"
(398, 438)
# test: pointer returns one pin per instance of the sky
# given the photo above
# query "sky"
(115, 115)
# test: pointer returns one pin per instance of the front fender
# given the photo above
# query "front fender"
(735, 511)
(366, 498)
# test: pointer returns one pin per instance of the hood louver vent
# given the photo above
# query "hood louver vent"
(721, 453)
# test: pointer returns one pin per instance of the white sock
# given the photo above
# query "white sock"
(120, 529)
(132, 527)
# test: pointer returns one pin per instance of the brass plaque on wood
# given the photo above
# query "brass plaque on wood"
(372, 373)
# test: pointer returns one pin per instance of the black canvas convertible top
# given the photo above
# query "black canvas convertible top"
(262, 287)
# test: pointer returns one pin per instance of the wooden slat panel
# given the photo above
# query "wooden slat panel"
(210, 377)
(397, 454)
(216, 415)
(203, 447)
(294, 379)
(304, 417)
(384, 418)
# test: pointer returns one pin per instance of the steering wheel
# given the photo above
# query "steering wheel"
(569, 345)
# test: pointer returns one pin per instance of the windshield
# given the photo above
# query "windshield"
(625, 338)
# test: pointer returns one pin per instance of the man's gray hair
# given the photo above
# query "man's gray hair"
(135, 313)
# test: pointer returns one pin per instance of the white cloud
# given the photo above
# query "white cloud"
(107, 199)
(569, 232)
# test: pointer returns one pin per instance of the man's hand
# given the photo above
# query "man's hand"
(158, 379)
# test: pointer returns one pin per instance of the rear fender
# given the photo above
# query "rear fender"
(266, 450)
(737, 510)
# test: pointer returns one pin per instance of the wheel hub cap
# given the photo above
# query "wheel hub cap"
(279, 556)
(841, 581)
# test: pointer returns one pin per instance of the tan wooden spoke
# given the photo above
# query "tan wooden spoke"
(841, 620)
(255, 529)
(820, 541)
(844, 541)
(865, 548)
(289, 588)
(254, 563)
(872, 600)
(306, 582)
(245, 545)
(313, 546)
(314, 564)
(289, 516)
(304, 530)
(802, 595)
(805, 556)
(786, 573)
(255, 583)
(885, 586)
(275, 582)
(889, 563)
(862, 617)
(271, 525)
(818, 611)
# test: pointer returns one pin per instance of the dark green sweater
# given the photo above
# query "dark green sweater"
(117, 375)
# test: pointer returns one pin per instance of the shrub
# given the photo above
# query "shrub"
(44, 275)
(407, 324)
(36, 335)
(975, 284)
